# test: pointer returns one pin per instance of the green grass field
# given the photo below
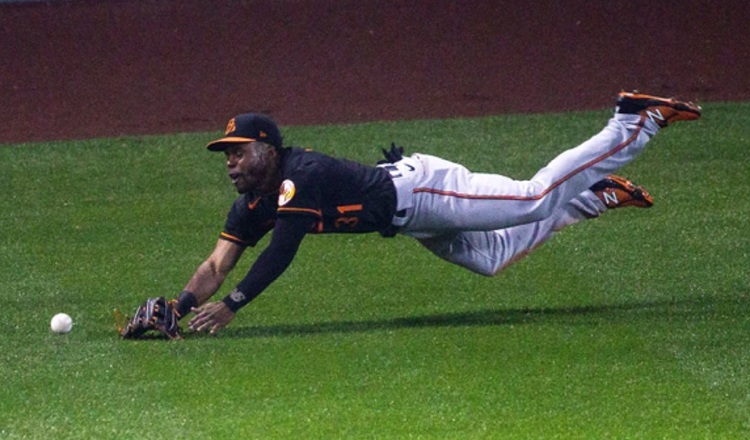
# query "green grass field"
(632, 326)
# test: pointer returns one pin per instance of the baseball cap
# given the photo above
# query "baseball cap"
(248, 127)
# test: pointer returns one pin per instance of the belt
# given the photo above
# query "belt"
(402, 175)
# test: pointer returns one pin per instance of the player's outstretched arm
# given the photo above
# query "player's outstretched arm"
(157, 314)
(271, 263)
(209, 276)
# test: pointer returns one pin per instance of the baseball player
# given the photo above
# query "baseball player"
(482, 222)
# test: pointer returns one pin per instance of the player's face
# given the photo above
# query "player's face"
(253, 167)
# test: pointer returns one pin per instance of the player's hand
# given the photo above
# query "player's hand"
(211, 317)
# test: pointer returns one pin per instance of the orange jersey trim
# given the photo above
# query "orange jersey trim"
(316, 212)
(232, 238)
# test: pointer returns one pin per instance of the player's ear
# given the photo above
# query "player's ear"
(273, 155)
(275, 152)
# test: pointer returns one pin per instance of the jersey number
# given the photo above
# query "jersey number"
(347, 220)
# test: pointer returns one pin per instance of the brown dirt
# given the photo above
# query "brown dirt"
(105, 68)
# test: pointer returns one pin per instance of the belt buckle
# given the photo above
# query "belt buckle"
(393, 171)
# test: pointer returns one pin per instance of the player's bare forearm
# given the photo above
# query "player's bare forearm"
(205, 282)
(211, 274)
(271, 263)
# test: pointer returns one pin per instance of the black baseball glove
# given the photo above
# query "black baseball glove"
(393, 155)
(154, 315)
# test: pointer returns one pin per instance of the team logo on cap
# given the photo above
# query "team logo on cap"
(231, 126)
(286, 192)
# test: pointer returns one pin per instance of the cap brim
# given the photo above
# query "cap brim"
(223, 143)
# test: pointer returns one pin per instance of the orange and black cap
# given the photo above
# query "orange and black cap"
(248, 127)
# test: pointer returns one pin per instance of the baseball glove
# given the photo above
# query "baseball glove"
(393, 155)
(154, 315)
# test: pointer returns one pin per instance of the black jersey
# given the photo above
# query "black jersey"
(339, 195)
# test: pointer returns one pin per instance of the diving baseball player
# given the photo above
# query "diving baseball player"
(482, 222)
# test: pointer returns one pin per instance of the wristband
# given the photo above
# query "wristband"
(235, 300)
(185, 303)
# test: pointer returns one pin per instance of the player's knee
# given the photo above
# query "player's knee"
(487, 271)
(485, 266)
(542, 209)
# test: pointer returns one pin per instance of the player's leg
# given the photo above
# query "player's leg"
(488, 252)
(453, 198)
(449, 197)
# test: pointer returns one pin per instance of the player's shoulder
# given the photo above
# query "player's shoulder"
(304, 161)
(295, 156)
(305, 165)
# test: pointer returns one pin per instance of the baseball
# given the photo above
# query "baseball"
(61, 323)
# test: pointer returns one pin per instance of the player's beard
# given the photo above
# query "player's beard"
(261, 175)
(246, 183)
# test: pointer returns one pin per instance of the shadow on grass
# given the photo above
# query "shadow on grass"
(495, 317)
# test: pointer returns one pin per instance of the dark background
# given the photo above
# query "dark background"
(81, 69)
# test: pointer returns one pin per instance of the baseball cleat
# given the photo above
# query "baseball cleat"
(615, 192)
(663, 111)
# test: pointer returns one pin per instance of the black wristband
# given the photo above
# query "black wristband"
(185, 303)
(236, 300)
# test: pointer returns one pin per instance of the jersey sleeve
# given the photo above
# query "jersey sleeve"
(300, 192)
(271, 263)
(248, 221)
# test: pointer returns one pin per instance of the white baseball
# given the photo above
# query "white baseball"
(61, 323)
